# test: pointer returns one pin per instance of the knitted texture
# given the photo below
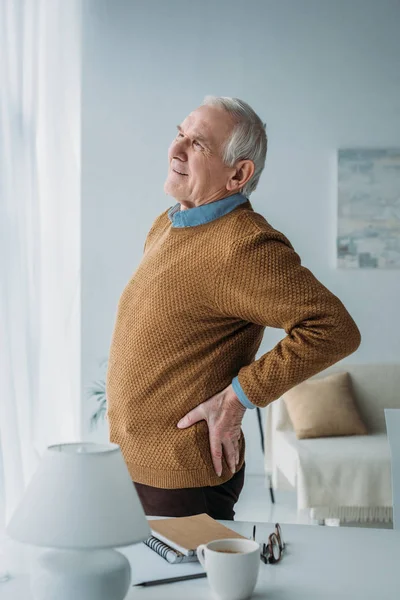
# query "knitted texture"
(191, 318)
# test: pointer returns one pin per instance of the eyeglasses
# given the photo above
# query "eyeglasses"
(271, 552)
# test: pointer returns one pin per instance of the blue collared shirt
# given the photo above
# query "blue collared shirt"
(199, 216)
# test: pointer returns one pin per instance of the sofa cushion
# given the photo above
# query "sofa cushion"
(324, 407)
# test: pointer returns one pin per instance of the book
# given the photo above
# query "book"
(185, 534)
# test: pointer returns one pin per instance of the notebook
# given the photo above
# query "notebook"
(185, 534)
(169, 554)
(148, 566)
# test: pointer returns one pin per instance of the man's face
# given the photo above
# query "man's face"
(197, 174)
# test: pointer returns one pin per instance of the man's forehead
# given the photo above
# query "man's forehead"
(198, 122)
(211, 123)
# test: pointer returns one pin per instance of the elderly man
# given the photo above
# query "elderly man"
(182, 369)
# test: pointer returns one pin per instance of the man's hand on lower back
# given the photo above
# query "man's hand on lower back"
(223, 413)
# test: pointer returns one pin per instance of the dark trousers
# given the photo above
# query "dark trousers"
(217, 501)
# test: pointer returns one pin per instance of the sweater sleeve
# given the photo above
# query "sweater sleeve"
(262, 281)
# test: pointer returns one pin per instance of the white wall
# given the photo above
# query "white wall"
(323, 74)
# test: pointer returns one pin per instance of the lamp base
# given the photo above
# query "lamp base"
(80, 575)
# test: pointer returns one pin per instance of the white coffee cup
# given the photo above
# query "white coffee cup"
(232, 567)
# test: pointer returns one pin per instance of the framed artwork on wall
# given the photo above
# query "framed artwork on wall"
(368, 235)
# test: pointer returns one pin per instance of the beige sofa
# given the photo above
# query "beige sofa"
(345, 478)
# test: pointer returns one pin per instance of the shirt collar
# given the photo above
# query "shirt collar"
(205, 213)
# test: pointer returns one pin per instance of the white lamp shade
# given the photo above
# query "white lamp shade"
(80, 497)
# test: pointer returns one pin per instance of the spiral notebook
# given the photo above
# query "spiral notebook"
(176, 540)
(169, 554)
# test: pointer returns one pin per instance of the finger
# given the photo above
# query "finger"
(216, 453)
(236, 445)
(230, 455)
(192, 417)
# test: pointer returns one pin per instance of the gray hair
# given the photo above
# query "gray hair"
(248, 140)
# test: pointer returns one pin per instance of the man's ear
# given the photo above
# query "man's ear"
(244, 170)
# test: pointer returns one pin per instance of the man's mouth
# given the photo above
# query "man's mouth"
(179, 173)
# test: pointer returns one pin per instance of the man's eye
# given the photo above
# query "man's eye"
(197, 143)
(179, 134)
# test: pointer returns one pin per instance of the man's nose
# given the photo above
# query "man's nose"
(179, 150)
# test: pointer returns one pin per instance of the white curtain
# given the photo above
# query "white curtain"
(39, 235)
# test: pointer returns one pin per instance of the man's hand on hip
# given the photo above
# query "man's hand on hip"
(223, 413)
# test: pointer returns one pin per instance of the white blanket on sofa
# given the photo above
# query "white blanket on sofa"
(336, 472)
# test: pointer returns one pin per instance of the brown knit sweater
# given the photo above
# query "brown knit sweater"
(192, 318)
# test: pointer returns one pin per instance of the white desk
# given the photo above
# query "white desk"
(321, 563)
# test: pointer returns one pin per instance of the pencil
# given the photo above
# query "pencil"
(171, 580)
